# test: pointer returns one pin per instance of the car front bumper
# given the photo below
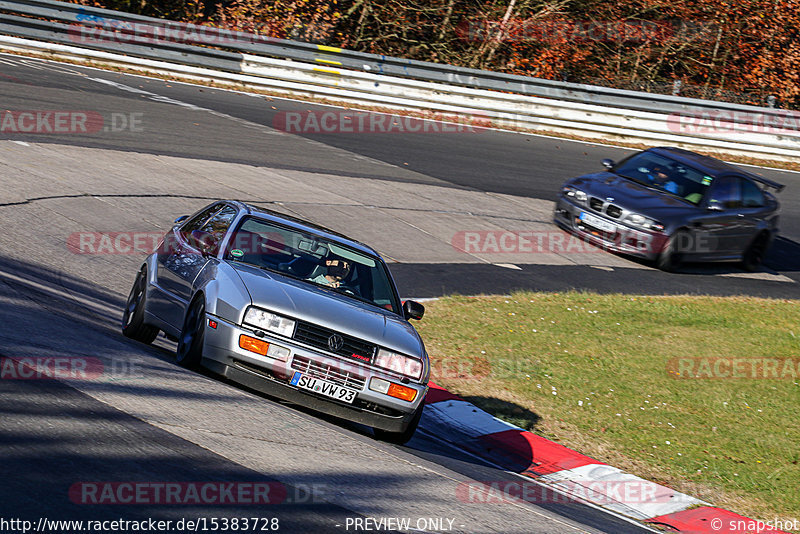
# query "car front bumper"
(223, 355)
(607, 233)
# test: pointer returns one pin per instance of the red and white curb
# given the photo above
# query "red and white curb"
(573, 474)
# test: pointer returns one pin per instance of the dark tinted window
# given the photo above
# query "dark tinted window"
(313, 259)
(217, 226)
(752, 197)
(196, 222)
(726, 193)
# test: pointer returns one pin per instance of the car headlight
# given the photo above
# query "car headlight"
(573, 193)
(269, 321)
(398, 363)
(644, 222)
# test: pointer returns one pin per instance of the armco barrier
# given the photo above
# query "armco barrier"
(502, 100)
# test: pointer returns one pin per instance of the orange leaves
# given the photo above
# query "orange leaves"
(729, 47)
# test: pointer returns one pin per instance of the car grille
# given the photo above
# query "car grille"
(611, 210)
(316, 336)
(328, 373)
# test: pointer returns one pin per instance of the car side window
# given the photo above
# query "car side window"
(196, 222)
(217, 226)
(726, 193)
(752, 197)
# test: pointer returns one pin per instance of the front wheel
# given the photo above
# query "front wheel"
(671, 257)
(401, 438)
(190, 342)
(133, 325)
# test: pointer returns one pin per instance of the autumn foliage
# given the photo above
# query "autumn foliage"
(734, 50)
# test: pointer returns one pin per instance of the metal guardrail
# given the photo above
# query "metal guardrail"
(360, 77)
(372, 63)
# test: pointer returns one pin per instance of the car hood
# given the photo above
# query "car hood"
(327, 308)
(630, 195)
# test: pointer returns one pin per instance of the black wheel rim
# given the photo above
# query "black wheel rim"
(194, 322)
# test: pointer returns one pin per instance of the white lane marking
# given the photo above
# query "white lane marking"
(152, 96)
(770, 277)
(23, 143)
(29, 63)
(508, 266)
(167, 100)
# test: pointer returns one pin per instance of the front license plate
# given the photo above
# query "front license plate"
(598, 223)
(322, 387)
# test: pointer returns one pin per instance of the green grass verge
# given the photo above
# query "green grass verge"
(599, 373)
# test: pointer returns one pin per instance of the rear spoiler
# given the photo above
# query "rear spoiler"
(767, 183)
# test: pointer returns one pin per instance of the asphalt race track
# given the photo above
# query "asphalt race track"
(165, 149)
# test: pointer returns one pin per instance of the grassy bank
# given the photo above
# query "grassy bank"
(698, 393)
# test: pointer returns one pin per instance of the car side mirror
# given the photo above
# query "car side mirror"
(181, 219)
(413, 310)
(608, 163)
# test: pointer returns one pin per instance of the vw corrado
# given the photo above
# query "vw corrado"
(671, 205)
(288, 308)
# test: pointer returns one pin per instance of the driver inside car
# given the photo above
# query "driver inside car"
(659, 176)
(337, 271)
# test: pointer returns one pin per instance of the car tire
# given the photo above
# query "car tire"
(190, 342)
(133, 325)
(671, 258)
(401, 438)
(754, 254)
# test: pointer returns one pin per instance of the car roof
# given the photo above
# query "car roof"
(304, 225)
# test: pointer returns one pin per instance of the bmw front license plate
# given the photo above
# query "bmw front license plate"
(322, 387)
(598, 223)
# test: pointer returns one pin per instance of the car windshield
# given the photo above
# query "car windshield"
(667, 175)
(313, 259)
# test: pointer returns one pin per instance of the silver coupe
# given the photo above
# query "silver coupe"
(289, 308)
